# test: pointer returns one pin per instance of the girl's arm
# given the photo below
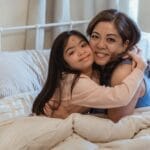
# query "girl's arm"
(89, 94)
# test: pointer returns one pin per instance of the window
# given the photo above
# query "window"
(133, 9)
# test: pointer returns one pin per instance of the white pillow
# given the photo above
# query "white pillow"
(17, 105)
(22, 71)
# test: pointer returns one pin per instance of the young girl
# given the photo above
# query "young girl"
(72, 84)
(112, 35)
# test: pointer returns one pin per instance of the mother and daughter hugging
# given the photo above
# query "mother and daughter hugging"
(104, 74)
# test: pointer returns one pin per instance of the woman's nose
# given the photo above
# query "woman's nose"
(101, 44)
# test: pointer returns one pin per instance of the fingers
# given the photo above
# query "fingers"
(140, 62)
(47, 110)
(136, 49)
(61, 112)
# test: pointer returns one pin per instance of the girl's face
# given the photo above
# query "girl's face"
(106, 43)
(78, 54)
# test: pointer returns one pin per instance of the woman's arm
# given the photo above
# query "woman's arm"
(122, 71)
(115, 114)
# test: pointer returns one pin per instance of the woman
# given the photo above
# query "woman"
(112, 35)
(72, 83)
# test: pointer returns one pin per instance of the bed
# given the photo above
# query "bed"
(23, 74)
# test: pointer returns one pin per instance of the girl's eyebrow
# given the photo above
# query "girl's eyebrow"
(72, 47)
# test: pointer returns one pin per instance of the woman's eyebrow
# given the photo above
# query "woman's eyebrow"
(95, 32)
(112, 34)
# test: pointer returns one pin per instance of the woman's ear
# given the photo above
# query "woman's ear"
(126, 44)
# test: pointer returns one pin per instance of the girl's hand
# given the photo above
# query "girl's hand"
(59, 113)
(139, 61)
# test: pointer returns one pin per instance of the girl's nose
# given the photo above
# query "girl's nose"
(81, 52)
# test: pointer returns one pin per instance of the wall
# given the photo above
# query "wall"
(13, 13)
(144, 15)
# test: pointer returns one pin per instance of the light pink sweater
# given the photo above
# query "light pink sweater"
(88, 93)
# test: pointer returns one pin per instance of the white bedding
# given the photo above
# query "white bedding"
(22, 71)
(18, 105)
(19, 85)
(82, 132)
(18, 131)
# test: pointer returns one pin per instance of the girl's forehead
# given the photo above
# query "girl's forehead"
(74, 39)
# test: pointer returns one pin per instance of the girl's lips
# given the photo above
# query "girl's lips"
(85, 58)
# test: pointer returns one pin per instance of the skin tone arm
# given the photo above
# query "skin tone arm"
(119, 74)
(62, 113)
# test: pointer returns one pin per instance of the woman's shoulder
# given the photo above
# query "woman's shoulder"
(121, 72)
(126, 61)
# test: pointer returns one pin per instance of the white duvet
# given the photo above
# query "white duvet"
(77, 132)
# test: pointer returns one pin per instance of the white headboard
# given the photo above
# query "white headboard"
(39, 40)
(144, 43)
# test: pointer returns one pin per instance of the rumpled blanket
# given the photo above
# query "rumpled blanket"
(77, 132)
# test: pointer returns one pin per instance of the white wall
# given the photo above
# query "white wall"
(144, 15)
(13, 13)
(25, 12)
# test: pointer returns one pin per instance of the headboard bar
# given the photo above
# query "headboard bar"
(39, 30)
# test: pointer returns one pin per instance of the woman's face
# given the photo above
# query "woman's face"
(78, 54)
(106, 43)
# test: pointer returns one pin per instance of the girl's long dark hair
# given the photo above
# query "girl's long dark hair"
(127, 29)
(57, 67)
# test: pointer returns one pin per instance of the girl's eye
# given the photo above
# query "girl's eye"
(84, 44)
(70, 53)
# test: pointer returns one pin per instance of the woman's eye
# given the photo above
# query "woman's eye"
(94, 36)
(111, 40)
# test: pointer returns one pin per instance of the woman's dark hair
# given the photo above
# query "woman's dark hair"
(127, 29)
(57, 67)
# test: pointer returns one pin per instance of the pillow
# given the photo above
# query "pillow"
(17, 105)
(22, 71)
